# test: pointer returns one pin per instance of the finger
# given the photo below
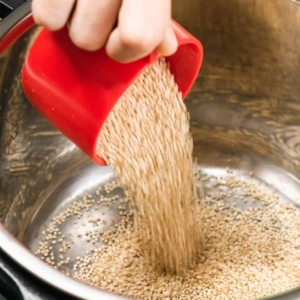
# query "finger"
(52, 14)
(92, 22)
(169, 44)
(141, 28)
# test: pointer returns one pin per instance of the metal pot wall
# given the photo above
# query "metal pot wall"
(246, 103)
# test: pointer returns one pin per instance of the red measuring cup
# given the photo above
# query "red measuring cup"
(76, 89)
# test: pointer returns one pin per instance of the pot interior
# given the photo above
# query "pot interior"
(245, 121)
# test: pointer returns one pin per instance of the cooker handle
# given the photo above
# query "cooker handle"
(8, 6)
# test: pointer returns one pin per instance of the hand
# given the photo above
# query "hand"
(141, 25)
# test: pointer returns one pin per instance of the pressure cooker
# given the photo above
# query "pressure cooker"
(248, 91)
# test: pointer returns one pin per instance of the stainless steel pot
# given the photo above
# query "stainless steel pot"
(245, 104)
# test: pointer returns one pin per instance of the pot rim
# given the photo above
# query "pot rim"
(11, 28)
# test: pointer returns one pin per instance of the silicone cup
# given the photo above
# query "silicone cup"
(76, 90)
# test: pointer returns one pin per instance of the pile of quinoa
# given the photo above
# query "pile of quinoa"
(251, 245)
